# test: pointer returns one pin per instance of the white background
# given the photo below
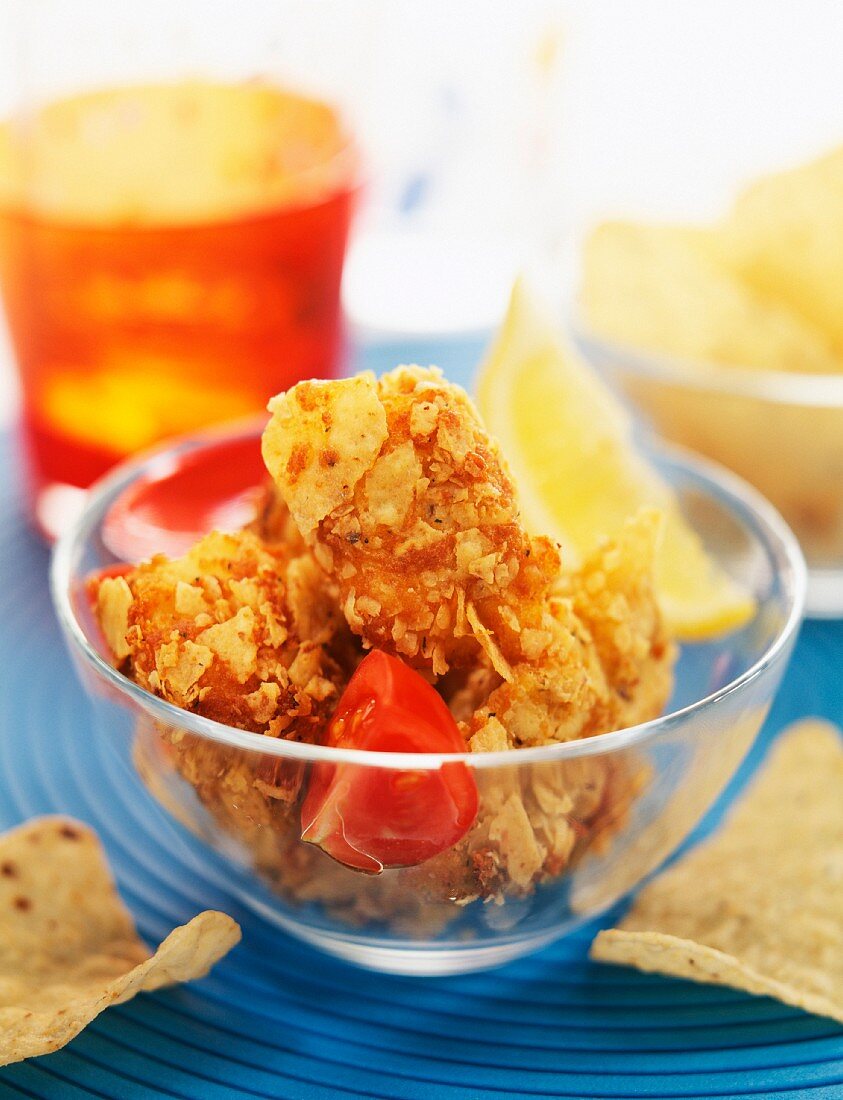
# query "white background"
(658, 108)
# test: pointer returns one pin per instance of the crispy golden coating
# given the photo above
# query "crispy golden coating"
(407, 502)
(614, 599)
(393, 514)
(236, 630)
(609, 664)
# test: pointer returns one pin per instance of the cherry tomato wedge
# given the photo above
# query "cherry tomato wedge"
(370, 818)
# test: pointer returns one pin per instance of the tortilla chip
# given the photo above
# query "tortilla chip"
(759, 907)
(68, 945)
(667, 290)
(784, 239)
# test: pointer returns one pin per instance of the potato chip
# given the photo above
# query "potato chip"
(759, 906)
(68, 946)
(785, 239)
(667, 290)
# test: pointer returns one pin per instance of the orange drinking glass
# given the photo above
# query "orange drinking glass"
(170, 256)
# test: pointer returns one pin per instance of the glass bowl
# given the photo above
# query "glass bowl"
(588, 819)
(781, 431)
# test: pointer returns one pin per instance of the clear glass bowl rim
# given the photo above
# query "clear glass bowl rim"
(814, 391)
(158, 461)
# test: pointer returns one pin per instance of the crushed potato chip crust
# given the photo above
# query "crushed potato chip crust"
(238, 630)
(394, 523)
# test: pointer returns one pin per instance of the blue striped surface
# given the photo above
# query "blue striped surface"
(277, 1019)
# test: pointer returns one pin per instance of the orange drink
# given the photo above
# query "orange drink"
(169, 254)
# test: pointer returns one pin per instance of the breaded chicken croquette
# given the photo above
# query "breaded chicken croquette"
(393, 523)
(235, 630)
(609, 664)
(408, 503)
(613, 597)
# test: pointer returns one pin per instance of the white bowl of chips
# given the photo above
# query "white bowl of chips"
(728, 339)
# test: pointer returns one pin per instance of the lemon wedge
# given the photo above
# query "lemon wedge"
(569, 442)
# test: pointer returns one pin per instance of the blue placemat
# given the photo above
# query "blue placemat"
(276, 1019)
